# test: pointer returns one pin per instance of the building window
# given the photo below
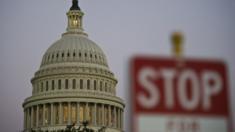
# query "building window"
(34, 115)
(81, 112)
(117, 114)
(88, 84)
(94, 84)
(62, 55)
(75, 23)
(41, 86)
(105, 86)
(66, 83)
(81, 84)
(106, 115)
(53, 85)
(74, 54)
(65, 113)
(74, 113)
(47, 114)
(33, 89)
(112, 117)
(59, 84)
(46, 85)
(101, 85)
(40, 115)
(56, 114)
(99, 115)
(89, 111)
(38, 88)
(74, 83)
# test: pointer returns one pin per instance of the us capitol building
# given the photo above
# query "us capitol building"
(73, 84)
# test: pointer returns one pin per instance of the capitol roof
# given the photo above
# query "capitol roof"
(74, 45)
(74, 48)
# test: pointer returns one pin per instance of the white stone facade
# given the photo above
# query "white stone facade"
(73, 84)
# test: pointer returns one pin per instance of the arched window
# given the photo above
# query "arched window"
(38, 88)
(81, 84)
(48, 57)
(46, 85)
(95, 85)
(59, 84)
(101, 85)
(66, 83)
(88, 84)
(105, 86)
(53, 85)
(41, 86)
(62, 55)
(74, 83)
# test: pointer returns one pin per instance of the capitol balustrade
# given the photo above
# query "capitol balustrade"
(66, 113)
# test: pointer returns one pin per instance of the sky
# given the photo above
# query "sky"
(122, 28)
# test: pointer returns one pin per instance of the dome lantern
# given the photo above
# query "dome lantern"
(75, 16)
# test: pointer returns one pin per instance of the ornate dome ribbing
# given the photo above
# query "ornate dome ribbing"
(74, 48)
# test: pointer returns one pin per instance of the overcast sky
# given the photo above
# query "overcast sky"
(121, 28)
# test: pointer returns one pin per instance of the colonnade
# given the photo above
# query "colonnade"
(64, 113)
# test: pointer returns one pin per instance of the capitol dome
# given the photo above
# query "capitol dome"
(73, 47)
(73, 85)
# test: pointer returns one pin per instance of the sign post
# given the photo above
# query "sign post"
(192, 97)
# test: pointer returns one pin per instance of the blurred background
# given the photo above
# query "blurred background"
(121, 28)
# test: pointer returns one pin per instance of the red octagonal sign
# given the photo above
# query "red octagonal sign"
(187, 95)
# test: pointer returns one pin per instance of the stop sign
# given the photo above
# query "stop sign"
(169, 95)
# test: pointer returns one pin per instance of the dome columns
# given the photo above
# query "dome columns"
(42, 116)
